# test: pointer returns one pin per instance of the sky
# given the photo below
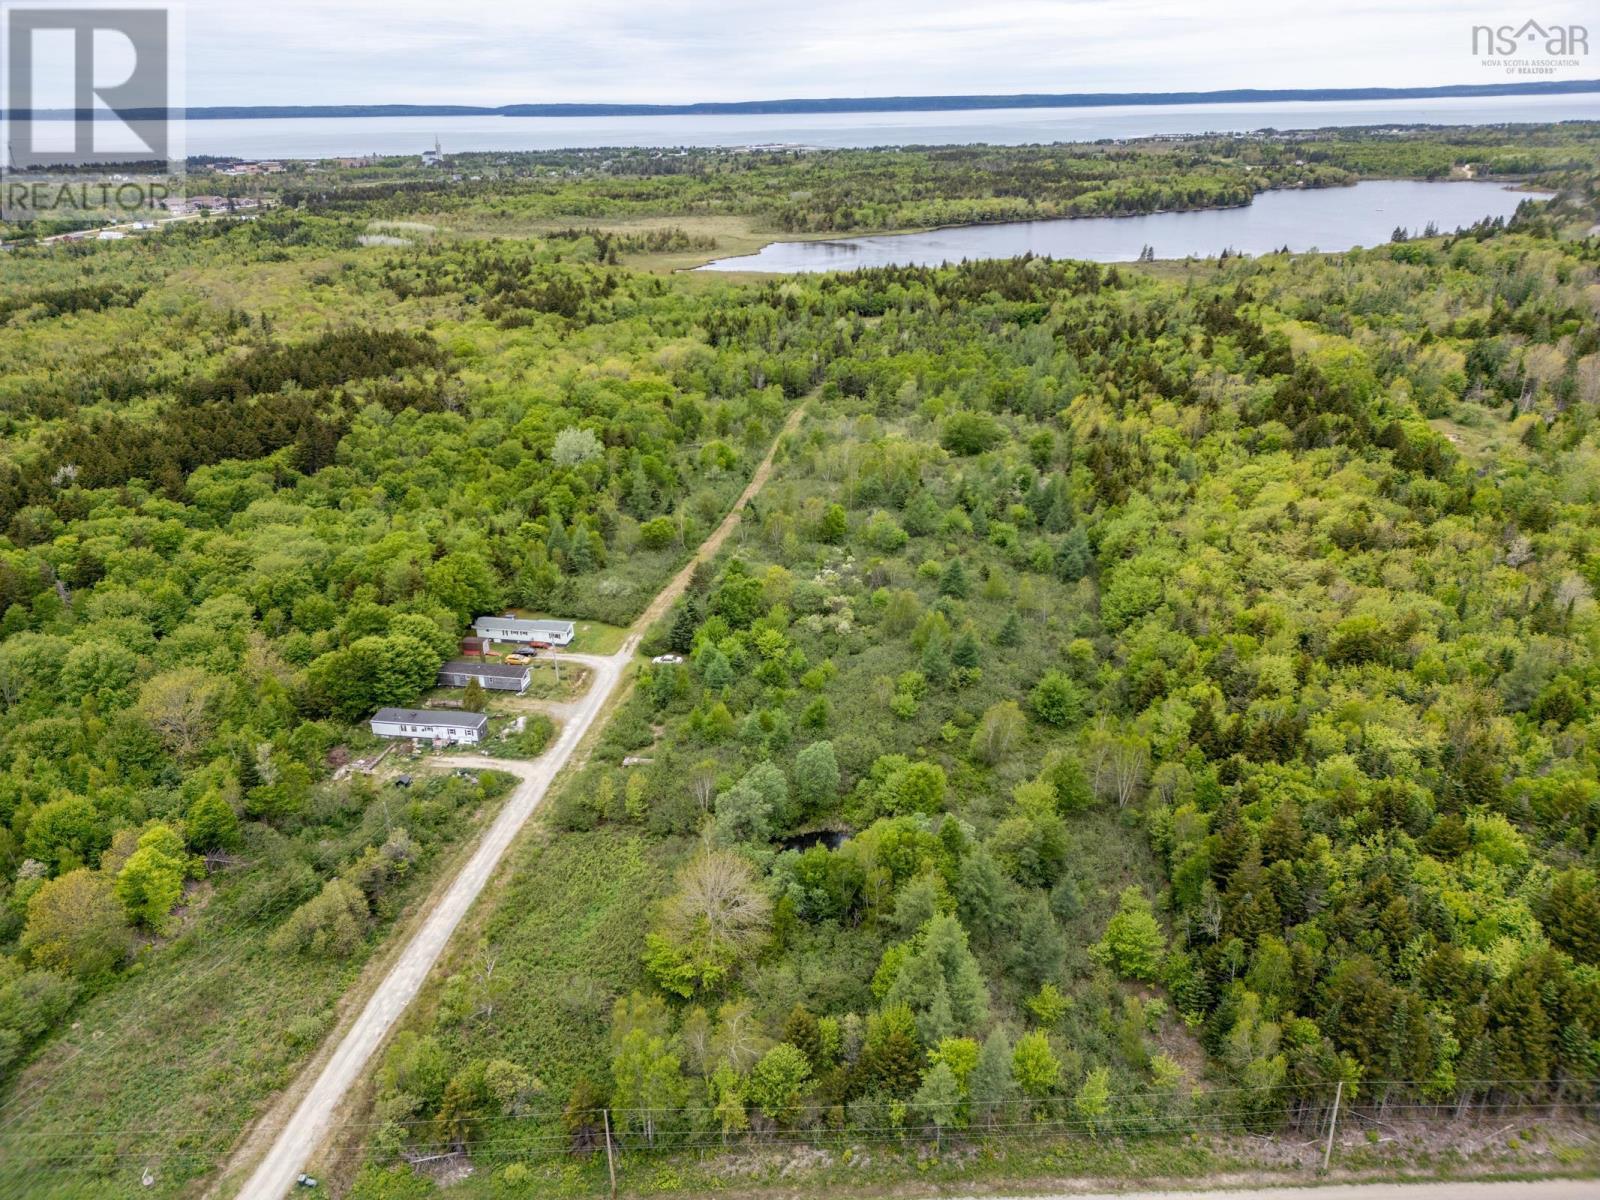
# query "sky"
(495, 52)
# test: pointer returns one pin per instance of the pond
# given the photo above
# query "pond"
(1302, 219)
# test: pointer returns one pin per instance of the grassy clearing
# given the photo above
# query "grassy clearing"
(567, 927)
(1483, 436)
(162, 1071)
(1043, 1164)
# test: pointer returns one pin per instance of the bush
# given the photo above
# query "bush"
(331, 924)
(211, 824)
(1133, 944)
(1057, 700)
(970, 433)
(392, 1183)
(658, 533)
(530, 743)
(779, 1080)
(75, 925)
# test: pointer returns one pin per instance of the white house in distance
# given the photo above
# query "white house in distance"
(522, 629)
(431, 724)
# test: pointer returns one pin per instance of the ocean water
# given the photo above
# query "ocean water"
(317, 137)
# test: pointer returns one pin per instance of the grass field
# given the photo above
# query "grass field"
(162, 1072)
(568, 926)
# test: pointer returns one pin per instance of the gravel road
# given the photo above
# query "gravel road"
(292, 1147)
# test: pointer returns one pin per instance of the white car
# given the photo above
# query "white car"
(667, 659)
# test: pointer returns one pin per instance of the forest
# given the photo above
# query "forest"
(1142, 697)
(799, 190)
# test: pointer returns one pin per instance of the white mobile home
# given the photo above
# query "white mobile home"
(522, 629)
(494, 677)
(431, 724)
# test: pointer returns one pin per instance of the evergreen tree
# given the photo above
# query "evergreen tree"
(834, 525)
(938, 1101)
(953, 582)
(1074, 556)
(1010, 632)
(801, 1031)
(684, 624)
(992, 1086)
(892, 1055)
(965, 653)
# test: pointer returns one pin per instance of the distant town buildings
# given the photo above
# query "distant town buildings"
(269, 167)
(188, 205)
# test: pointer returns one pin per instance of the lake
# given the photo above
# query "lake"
(322, 137)
(1302, 219)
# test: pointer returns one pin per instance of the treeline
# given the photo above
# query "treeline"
(838, 190)
(300, 395)
(57, 302)
(804, 190)
(666, 240)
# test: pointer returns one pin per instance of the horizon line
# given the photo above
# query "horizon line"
(840, 104)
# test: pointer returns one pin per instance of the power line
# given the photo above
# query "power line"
(1185, 1111)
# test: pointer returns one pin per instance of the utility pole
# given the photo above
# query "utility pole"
(1333, 1124)
(611, 1165)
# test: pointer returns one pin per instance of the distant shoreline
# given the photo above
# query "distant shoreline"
(867, 104)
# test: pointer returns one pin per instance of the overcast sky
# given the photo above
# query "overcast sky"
(672, 51)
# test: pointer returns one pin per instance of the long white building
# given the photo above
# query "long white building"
(524, 629)
(431, 724)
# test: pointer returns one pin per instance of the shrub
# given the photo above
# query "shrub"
(658, 533)
(331, 924)
(75, 925)
(1133, 944)
(779, 1080)
(970, 433)
(1034, 1065)
(1057, 700)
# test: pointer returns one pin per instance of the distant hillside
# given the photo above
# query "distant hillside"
(870, 104)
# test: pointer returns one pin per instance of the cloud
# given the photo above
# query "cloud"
(670, 51)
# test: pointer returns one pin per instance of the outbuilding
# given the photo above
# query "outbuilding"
(524, 629)
(431, 724)
(493, 676)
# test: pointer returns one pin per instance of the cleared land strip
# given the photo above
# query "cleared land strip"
(1543, 1189)
(308, 1127)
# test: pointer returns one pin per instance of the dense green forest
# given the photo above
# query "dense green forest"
(1138, 691)
(1282, 574)
(227, 540)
